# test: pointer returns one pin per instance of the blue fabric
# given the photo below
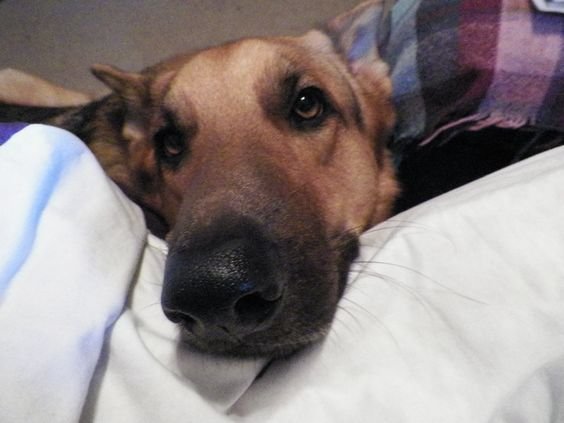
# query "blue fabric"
(9, 129)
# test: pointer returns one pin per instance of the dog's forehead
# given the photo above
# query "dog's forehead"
(226, 69)
(251, 72)
(213, 81)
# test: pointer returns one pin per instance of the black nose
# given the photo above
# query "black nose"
(224, 289)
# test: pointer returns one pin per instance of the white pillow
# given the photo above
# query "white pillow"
(455, 313)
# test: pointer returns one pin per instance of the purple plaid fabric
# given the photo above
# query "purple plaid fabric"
(462, 63)
(9, 129)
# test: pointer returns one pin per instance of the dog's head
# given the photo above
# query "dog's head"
(266, 159)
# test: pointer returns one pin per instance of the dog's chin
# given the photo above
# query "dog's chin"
(273, 348)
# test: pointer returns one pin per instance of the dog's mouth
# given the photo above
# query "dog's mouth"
(271, 340)
(256, 298)
(259, 346)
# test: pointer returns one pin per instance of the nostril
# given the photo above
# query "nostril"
(187, 321)
(254, 308)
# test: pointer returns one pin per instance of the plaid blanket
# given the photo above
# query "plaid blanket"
(462, 64)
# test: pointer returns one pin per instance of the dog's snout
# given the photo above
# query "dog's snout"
(226, 289)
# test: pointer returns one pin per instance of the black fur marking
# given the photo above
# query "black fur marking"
(30, 114)
(80, 120)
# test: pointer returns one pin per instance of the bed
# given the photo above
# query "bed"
(454, 311)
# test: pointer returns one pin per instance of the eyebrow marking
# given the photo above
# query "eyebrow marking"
(357, 113)
(277, 86)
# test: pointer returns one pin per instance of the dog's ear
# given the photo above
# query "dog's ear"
(130, 86)
(132, 89)
(359, 34)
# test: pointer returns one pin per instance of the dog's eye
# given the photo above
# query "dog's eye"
(170, 144)
(309, 107)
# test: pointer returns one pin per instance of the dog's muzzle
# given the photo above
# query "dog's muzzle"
(224, 289)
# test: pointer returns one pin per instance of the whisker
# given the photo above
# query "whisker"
(369, 313)
(409, 224)
(418, 273)
(403, 287)
(345, 310)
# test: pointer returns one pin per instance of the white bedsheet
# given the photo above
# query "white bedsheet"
(69, 247)
(455, 310)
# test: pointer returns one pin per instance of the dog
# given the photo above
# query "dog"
(260, 161)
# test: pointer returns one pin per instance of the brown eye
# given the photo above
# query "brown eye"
(170, 144)
(309, 105)
(173, 144)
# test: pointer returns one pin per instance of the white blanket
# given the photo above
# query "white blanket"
(455, 310)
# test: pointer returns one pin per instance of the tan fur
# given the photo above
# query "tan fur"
(355, 186)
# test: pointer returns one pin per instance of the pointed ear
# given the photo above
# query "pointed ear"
(359, 34)
(130, 86)
(132, 89)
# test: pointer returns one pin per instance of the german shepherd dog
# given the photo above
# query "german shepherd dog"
(260, 161)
